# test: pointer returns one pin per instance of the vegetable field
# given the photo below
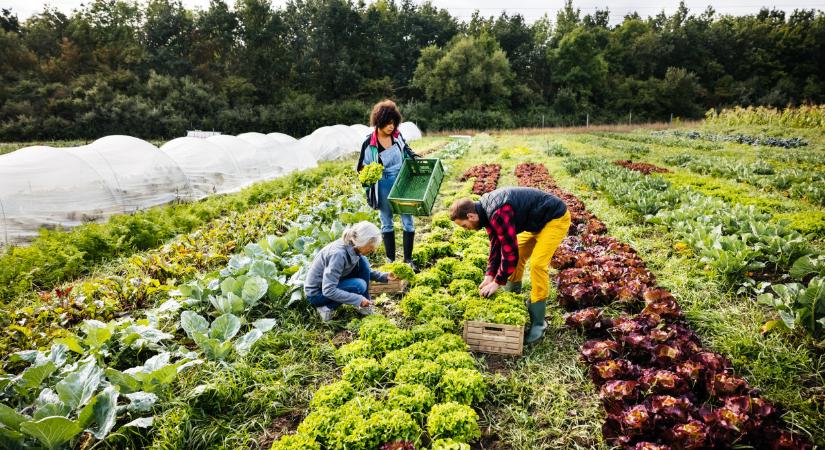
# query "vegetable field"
(687, 309)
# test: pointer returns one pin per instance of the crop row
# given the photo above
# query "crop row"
(486, 177)
(644, 168)
(404, 388)
(142, 280)
(805, 116)
(116, 372)
(657, 139)
(744, 246)
(58, 256)
(768, 141)
(808, 185)
(582, 221)
(660, 388)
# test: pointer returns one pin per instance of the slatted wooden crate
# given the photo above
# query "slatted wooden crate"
(389, 288)
(487, 337)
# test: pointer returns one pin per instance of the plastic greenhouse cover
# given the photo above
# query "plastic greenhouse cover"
(333, 142)
(139, 174)
(410, 131)
(46, 187)
(256, 164)
(210, 169)
(49, 187)
(283, 138)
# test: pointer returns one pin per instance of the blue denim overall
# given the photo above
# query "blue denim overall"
(392, 159)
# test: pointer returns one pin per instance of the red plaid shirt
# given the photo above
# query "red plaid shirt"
(503, 245)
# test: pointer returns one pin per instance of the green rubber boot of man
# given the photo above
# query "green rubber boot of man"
(513, 286)
(537, 324)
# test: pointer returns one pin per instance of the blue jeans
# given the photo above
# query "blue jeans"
(385, 210)
(357, 282)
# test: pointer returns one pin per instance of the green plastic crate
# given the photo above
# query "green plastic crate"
(416, 187)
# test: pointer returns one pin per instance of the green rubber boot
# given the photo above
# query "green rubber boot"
(513, 286)
(537, 324)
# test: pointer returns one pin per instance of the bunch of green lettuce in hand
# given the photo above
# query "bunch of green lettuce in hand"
(371, 173)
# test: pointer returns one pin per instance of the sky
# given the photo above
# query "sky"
(530, 9)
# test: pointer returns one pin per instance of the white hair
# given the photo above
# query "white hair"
(362, 234)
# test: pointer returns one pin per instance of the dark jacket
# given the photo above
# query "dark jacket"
(365, 156)
(533, 208)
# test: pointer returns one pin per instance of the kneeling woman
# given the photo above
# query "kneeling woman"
(340, 273)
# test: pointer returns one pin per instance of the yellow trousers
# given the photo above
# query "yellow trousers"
(539, 249)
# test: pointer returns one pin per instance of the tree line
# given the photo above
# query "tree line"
(156, 69)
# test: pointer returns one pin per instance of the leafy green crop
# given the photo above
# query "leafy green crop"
(416, 399)
(363, 372)
(333, 395)
(454, 421)
(296, 442)
(449, 444)
(427, 373)
(371, 173)
(399, 269)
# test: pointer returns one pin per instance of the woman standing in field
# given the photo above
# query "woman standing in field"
(386, 146)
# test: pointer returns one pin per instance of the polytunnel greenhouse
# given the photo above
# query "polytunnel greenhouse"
(52, 187)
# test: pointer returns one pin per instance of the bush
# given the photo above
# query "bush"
(557, 149)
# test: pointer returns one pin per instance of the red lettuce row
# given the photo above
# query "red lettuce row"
(660, 387)
(583, 221)
(644, 168)
(486, 177)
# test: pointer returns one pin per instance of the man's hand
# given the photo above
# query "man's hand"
(365, 302)
(391, 277)
(488, 289)
(487, 280)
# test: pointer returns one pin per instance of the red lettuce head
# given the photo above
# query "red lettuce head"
(613, 369)
(669, 409)
(660, 381)
(636, 420)
(649, 446)
(688, 436)
(725, 384)
(619, 392)
(654, 295)
(587, 320)
(599, 350)
(667, 355)
(690, 370)
(711, 362)
(665, 309)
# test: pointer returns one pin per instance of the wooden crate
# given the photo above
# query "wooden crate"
(487, 337)
(390, 287)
